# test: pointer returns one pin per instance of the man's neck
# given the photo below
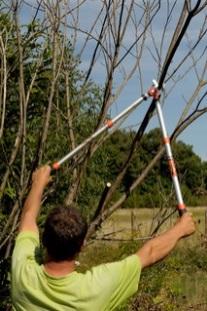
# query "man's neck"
(61, 268)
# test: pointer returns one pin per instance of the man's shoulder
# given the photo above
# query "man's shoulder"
(26, 247)
(126, 265)
(26, 234)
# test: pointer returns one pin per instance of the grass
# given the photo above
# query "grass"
(139, 223)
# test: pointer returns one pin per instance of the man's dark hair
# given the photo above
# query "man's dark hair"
(64, 233)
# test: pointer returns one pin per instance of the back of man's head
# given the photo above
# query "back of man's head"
(64, 233)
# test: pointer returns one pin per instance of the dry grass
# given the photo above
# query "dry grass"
(139, 223)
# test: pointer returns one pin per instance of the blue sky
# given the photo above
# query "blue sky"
(175, 102)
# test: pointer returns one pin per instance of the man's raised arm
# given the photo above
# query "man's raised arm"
(40, 179)
(159, 247)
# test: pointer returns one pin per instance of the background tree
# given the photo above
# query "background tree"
(49, 104)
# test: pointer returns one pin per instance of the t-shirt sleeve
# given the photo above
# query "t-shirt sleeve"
(26, 244)
(120, 279)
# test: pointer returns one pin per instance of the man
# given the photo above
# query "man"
(56, 285)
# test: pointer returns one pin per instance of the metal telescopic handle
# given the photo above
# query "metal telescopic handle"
(108, 124)
(171, 163)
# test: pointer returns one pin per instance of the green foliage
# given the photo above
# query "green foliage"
(4, 284)
(189, 165)
(175, 282)
(158, 184)
(37, 62)
(85, 101)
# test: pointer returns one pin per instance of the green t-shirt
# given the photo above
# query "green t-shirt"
(102, 288)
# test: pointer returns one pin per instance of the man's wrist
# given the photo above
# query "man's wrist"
(178, 231)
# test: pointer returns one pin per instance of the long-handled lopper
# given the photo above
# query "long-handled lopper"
(153, 92)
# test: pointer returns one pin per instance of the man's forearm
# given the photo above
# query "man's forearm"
(159, 247)
(33, 201)
(31, 208)
(30, 212)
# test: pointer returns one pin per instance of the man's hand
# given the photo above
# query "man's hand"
(41, 177)
(186, 225)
